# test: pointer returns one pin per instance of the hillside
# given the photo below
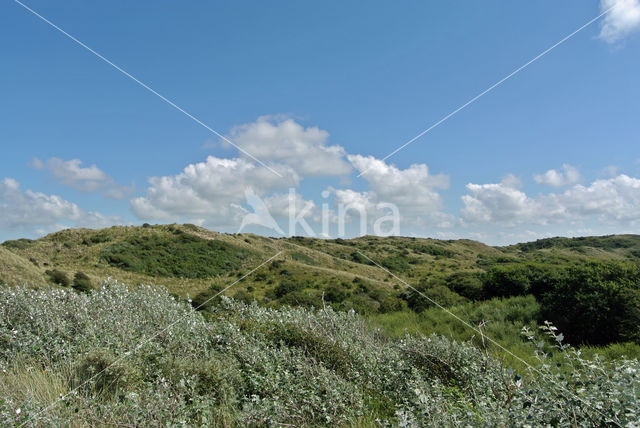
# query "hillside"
(15, 269)
(188, 260)
(506, 288)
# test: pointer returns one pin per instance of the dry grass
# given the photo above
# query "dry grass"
(16, 269)
(29, 382)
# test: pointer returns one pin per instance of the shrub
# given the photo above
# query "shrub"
(101, 372)
(177, 255)
(58, 277)
(81, 282)
(396, 263)
(596, 303)
(423, 298)
(286, 287)
(392, 304)
(335, 294)
(506, 281)
(142, 358)
(19, 244)
(207, 298)
(433, 250)
(362, 304)
(466, 284)
(359, 258)
(303, 298)
(243, 296)
(218, 377)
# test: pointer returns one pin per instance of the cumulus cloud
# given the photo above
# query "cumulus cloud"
(84, 178)
(27, 209)
(414, 190)
(213, 192)
(568, 176)
(284, 205)
(354, 206)
(621, 21)
(210, 191)
(613, 201)
(284, 141)
(497, 203)
(511, 180)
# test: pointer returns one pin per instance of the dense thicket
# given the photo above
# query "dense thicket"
(184, 255)
(592, 303)
(140, 357)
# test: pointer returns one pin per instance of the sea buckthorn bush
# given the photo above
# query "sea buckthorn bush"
(138, 356)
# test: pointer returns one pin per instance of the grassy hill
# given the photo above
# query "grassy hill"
(188, 260)
(503, 288)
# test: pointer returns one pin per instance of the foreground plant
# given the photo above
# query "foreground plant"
(138, 356)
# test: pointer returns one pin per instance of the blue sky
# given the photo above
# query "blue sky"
(322, 92)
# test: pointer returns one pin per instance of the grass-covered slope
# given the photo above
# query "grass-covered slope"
(14, 269)
(138, 357)
(186, 259)
(504, 288)
(189, 260)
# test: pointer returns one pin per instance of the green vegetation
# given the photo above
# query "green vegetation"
(81, 282)
(597, 304)
(594, 303)
(396, 263)
(604, 242)
(185, 256)
(502, 319)
(58, 277)
(120, 356)
(18, 244)
(588, 287)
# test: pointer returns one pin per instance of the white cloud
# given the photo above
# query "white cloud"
(511, 180)
(610, 171)
(356, 202)
(210, 191)
(284, 141)
(282, 205)
(497, 203)
(86, 179)
(413, 189)
(213, 192)
(612, 201)
(621, 21)
(567, 177)
(364, 210)
(27, 209)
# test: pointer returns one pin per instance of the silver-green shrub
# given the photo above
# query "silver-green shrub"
(137, 356)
